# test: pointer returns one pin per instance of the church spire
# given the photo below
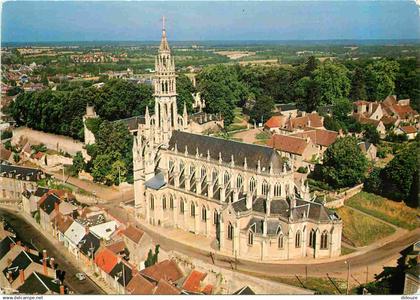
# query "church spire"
(164, 46)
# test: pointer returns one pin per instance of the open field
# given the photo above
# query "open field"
(361, 229)
(396, 213)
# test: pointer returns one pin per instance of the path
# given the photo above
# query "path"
(247, 136)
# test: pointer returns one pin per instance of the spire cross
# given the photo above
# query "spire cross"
(163, 23)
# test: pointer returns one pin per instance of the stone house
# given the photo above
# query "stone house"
(369, 150)
(138, 244)
(410, 131)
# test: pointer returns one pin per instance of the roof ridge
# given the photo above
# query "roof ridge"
(37, 276)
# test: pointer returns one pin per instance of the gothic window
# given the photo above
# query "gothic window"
(152, 203)
(280, 241)
(215, 217)
(239, 181)
(252, 184)
(297, 239)
(265, 188)
(181, 207)
(192, 209)
(171, 166)
(277, 190)
(312, 238)
(230, 231)
(171, 202)
(203, 172)
(215, 176)
(250, 238)
(324, 240)
(203, 214)
(226, 178)
(164, 202)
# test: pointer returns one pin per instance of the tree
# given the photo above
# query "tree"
(373, 183)
(342, 108)
(311, 65)
(380, 78)
(332, 81)
(152, 258)
(344, 163)
(407, 82)
(307, 94)
(400, 176)
(185, 89)
(78, 164)
(371, 134)
(358, 85)
(263, 109)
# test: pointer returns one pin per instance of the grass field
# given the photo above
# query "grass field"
(361, 229)
(345, 250)
(396, 213)
(323, 286)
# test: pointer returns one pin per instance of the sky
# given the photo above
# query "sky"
(42, 21)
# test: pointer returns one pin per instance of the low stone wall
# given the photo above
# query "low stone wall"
(343, 196)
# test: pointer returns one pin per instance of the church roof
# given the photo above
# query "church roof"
(156, 182)
(226, 148)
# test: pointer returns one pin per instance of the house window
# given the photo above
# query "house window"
(181, 206)
(192, 209)
(280, 241)
(250, 238)
(171, 202)
(265, 188)
(297, 239)
(230, 232)
(203, 214)
(324, 240)
(152, 203)
(164, 203)
(312, 238)
(277, 190)
(215, 217)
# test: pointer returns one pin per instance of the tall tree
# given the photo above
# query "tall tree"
(358, 85)
(344, 164)
(185, 89)
(380, 78)
(262, 109)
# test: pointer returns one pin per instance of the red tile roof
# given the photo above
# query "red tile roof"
(208, 289)
(275, 122)
(193, 281)
(288, 144)
(408, 129)
(311, 120)
(403, 111)
(167, 269)
(4, 153)
(318, 136)
(139, 285)
(105, 259)
(133, 233)
(38, 155)
(117, 247)
(165, 288)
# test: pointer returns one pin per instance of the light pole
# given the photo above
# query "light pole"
(348, 276)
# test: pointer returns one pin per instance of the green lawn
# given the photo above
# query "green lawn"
(345, 250)
(396, 213)
(362, 230)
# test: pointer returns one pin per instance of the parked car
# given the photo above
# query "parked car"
(81, 276)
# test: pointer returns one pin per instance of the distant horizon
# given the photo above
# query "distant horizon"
(201, 21)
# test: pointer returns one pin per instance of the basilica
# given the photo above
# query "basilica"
(241, 196)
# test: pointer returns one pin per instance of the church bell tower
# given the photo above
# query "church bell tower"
(166, 114)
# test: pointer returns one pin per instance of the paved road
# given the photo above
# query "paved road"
(27, 233)
(376, 257)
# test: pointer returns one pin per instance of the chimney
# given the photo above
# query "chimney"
(61, 289)
(44, 254)
(22, 275)
(52, 262)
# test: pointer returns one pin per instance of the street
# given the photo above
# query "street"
(29, 234)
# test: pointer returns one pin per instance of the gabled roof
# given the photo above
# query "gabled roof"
(40, 284)
(62, 222)
(408, 129)
(66, 208)
(311, 120)
(165, 288)
(275, 122)
(106, 260)
(139, 285)
(246, 290)
(226, 148)
(318, 136)
(4, 153)
(122, 271)
(5, 245)
(104, 230)
(48, 203)
(117, 247)
(89, 244)
(21, 262)
(75, 233)
(133, 233)
(167, 269)
(21, 173)
(156, 182)
(193, 281)
(289, 144)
